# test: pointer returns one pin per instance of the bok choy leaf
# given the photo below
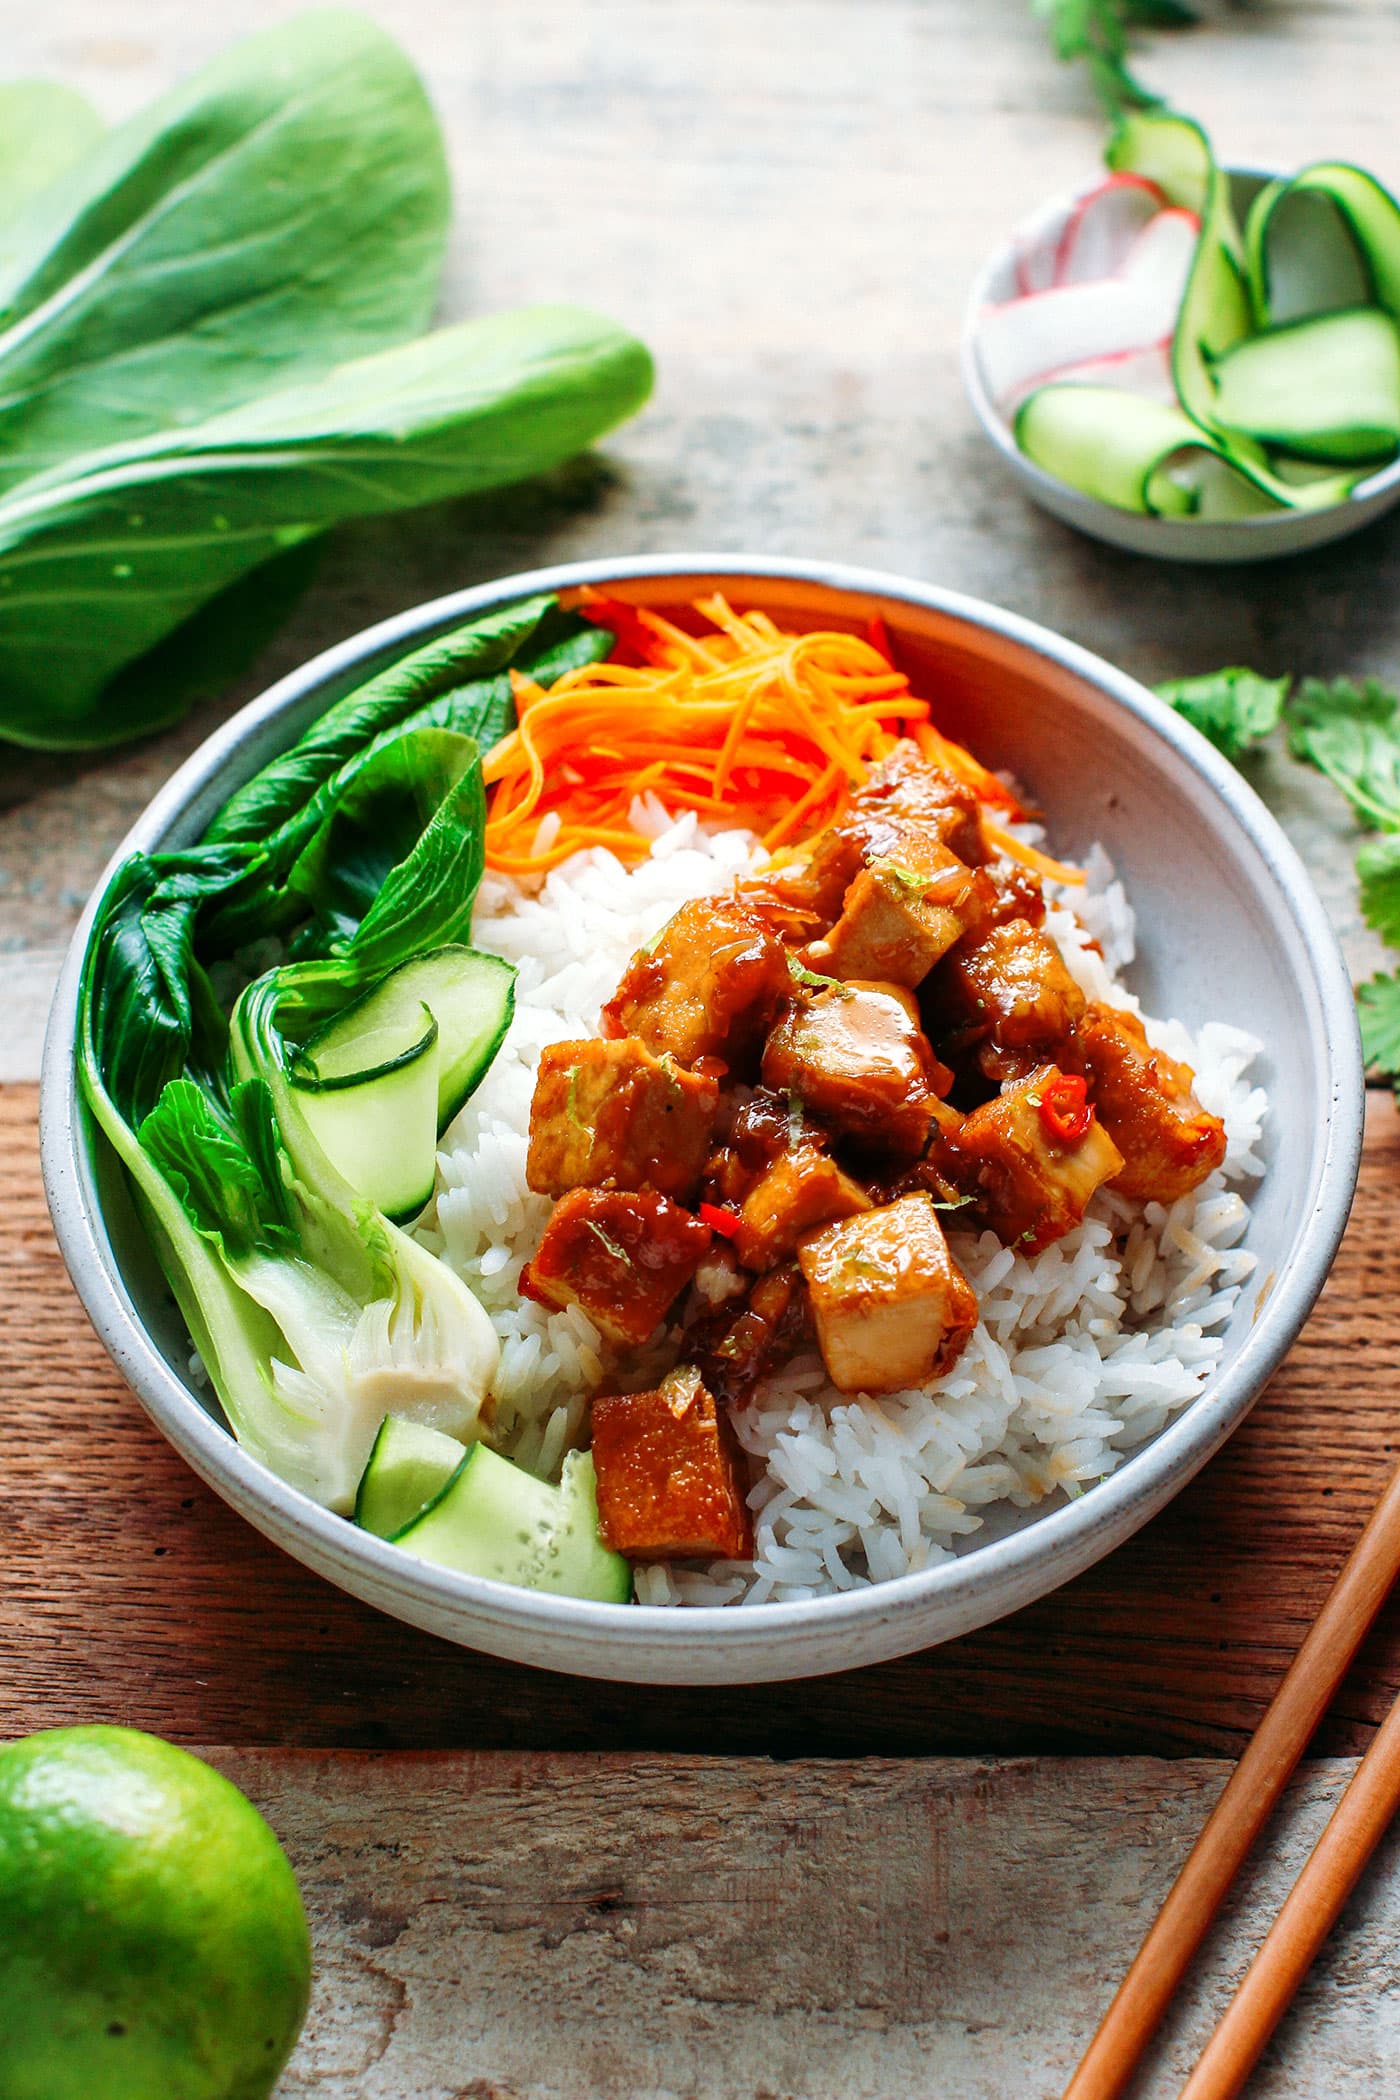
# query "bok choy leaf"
(283, 210)
(44, 127)
(313, 1313)
(96, 565)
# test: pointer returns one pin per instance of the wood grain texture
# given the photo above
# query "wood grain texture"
(632, 1928)
(131, 1593)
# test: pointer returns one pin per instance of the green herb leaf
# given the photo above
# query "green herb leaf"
(1352, 734)
(613, 1247)
(813, 979)
(140, 537)
(1234, 707)
(283, 210)
(1378, 1004)
(1095, 33)
(44, 128)
(1378, 870)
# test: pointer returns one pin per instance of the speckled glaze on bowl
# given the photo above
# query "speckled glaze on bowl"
(1265, 538)
(1231, 929)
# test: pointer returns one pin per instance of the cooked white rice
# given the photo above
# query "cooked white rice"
(1081, 1352)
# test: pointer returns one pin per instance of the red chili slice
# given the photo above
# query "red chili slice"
(1065, 1108)
(631, 631)
(878, 638)
(725, 1222)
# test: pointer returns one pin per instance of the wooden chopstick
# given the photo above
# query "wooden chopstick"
(1242, 1810)
(1334, 1866)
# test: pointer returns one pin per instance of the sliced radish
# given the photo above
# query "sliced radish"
(1026, 340)
(1036, 247)
(1146, 369)
(1102, 228)
(1164, 249)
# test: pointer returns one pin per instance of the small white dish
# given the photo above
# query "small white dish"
(1170, 539)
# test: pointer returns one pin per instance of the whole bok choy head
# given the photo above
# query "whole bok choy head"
(360, 849)
(212, 350)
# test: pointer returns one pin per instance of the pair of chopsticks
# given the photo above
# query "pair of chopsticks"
(1332, 1871)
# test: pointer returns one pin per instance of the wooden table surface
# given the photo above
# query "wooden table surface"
(788, 199)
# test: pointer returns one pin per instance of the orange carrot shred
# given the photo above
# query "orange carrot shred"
(742, 722)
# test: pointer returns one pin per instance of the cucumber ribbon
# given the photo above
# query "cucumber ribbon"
(1285, 357)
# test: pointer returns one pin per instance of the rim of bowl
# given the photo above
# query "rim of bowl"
(998, 430)
(1061, 1540)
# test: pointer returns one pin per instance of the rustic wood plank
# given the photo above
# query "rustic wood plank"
(130, 1592)
(632, 1928)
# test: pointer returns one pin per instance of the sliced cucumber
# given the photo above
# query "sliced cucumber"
(1300, 260)
(577, 1563)
(1215, 314)
(408, 1468)
(1145, 456)
(369, 1095)
(1326, 388)
(381, 1081)
(496, 1520)
(471, 995)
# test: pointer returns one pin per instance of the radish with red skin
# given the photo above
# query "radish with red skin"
(1024, 339)
(1100, 232)
(1144, 369)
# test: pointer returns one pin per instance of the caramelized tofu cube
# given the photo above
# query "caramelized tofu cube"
(708, 988)
(902, 913)
(855, 1055)
(624, 1256)
(908, 785)
(816, 885)
(1146, 1101)
(612, 1115)
(669, 1474)
(1008, 990)
(892, 1307)
(1028, 1185)
(802, 1189)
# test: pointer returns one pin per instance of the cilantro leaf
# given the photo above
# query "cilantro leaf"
(1096, 33)
(1234, 707)
(1379, 1006)
(1352, 734)
(1378, 869)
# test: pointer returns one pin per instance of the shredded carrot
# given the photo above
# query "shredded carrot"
(1031, 856)
(744, 724)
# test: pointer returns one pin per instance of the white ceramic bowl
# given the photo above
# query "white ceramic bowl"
(1231, 928)
(1171, 539)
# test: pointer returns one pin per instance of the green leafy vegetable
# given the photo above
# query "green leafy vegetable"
(1378, 1004)
(205, 361)
(225, 1169)
(44, 127)
(1352, 734)
(95, 567)
(1095, 33)
(283, 210)
(1378, 871)
(1234, 707)
(312, 1312)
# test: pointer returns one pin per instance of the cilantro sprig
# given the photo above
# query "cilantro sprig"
(1097, 35)
(1235, 707)
(1351, 734)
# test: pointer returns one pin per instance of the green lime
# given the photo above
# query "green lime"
(153, 1945)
